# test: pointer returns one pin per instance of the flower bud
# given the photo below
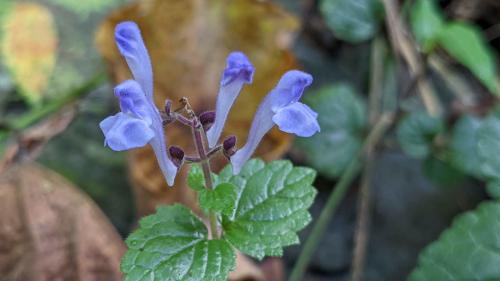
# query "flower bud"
(168, 107)
(176, 155)
(229, 146)
(207, 119)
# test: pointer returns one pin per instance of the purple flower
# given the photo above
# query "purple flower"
(139, 121)
(280, 107)
(239, 71)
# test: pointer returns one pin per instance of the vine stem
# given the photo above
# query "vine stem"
(338, 193)
(199, 141)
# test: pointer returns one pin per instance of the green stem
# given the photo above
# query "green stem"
(199, 141)
(336, 196)
(37, 114)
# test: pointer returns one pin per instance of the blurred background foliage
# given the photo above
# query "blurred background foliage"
(432, 165)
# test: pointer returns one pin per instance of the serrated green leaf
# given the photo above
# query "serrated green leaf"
(468, 46)
(195, 178)
(354, 21)
(489, 147)
(463, 145)
(220, 200)
(172, 245)
(416, 133)
(271, 206)
(426, 22)
(342, 117)
(469, 250)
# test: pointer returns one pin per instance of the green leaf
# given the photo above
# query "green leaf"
(195, 179)
(354, 21)
(489, 147)
(493, 189)
(172, 245)
(426, 22)
(463, 145)
(85, 8)
(441, 172)
(271, 206)
(467, 45)
(342, 117)
(220, 200)
(416, 133)
(469, 250)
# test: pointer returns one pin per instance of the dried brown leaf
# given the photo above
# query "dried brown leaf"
(49, 230)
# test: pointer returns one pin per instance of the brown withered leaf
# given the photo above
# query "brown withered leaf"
(30, 143)
(49, 230)
(29, 47)
(188, 42)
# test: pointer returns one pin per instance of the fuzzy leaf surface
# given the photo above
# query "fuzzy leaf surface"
(220, 200)
(468, 250)
(195, 178)
(172, 245)
(271, 206)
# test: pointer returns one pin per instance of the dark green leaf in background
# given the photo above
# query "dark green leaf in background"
(463, 145)
(354, 21)
(426, 22)
(493, 189)
(271, 206)
(489, 147)
(172, 245)
(416, 133)
(342, 117)
(441, 172)
(469, 250)
(467, 45)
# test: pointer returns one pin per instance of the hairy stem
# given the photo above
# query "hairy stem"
(336, 196)
(199, 142)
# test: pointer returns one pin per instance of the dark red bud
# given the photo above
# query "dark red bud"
(176, 155)
(168, 107)
(229, 146)
(207, 119)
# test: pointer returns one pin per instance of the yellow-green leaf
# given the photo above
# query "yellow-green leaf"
(29, 47)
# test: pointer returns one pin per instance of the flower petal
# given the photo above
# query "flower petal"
(129, 41)
(297, 118)
(239, 71)
(167, 167)
(124, 132)
(133, 100)
(261, 124)
(289, 88)
(237, 67)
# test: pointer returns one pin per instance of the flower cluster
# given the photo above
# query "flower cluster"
(140, 122)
